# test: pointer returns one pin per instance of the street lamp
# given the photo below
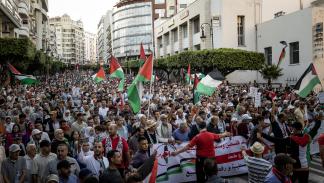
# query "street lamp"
(203, 36)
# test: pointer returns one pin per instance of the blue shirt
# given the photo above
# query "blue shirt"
(71, 179)
(178, 135)
(272, 178)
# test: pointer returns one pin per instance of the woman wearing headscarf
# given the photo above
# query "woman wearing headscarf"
(11, 136)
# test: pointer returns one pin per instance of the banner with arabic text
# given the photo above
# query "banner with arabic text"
(181, 168)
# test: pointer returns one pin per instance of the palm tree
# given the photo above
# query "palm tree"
(271, 72)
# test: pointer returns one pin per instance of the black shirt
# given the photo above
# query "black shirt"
(111, 176)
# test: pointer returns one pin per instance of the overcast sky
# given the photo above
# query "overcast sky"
(89, 12)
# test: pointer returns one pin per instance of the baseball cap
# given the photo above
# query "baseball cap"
(53, 177)
(36, 131)
(14, 148)
(246, 117)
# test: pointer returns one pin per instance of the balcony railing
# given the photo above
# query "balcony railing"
(10, 9)
(23, 8)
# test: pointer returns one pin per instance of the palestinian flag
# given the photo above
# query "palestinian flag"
(142, 56)
(188, 76)
(283, 52)
(135, 90)
(13, 70)
(196, 95)
(307, 82)
(142, 53)
(26, 79)
(208, 84)
(117, 72)
(100, 76)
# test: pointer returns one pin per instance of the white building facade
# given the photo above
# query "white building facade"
(69, 38)
(104, 40)
(233, 26)
(302, 31)
(90, 48)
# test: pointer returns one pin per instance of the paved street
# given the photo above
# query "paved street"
(316, 173)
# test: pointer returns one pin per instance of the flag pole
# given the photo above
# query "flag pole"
(150, 92)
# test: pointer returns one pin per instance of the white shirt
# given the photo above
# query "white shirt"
(9, 127)
(94, 165)
(103, 111)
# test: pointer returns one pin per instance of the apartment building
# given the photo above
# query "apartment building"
(69, 38)
(104, 40)
(90, 48)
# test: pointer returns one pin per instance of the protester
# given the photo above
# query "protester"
(282, 169)
(62, 154)
(41, 162)
(211, 170)
(29, 158)
(13, 168)
(64, 172)
(297, 144)
(321, 147)
(112, 174)
(205, 148)
(97, 163)
(142, 154)
(258, 168)
(70, 101)
(181, 134)
(115, 142)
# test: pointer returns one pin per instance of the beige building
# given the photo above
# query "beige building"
(9, 18)
(69, 38)
(90, 52)
(25, 19)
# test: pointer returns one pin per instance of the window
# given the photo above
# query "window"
(175, 35)
(294, 52)
(196, 25)
(268, 55)
(183, 5)
(167, 41)
(240, 30)
(184, 30)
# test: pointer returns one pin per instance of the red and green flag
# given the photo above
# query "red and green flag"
(283, 52)
(142, 53)
(24, 79)
(117, 72)
(188, 76)
(135, 90)
(307, 82)
(100, 76)
(142, 56)
(196, 95)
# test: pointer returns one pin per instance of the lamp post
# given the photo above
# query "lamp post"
(203, 36)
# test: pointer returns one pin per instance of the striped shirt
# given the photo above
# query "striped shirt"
(258, 168)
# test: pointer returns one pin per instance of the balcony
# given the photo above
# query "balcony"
(23, 8)
(9, 10)
(43, 11)
(23, 31)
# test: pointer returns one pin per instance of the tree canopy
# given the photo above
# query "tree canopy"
(224, 59)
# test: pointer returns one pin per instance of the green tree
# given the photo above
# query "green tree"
(271, 72)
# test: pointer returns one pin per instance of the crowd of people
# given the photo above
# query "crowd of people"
(70, 129)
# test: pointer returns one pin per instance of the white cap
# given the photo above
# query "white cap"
(246, 117)
(36, 131)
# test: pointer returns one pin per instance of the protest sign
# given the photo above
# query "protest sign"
(181, 168)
